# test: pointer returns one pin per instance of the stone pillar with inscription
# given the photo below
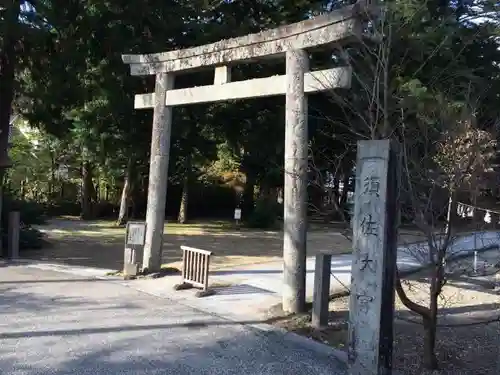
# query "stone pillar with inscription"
(376, 217)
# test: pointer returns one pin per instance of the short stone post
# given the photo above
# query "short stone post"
(321, 294)
(13, 234)
(371, 307)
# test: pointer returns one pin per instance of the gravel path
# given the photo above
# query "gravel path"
(60, 324)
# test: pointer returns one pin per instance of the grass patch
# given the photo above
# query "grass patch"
(109, 228)
(211, 226)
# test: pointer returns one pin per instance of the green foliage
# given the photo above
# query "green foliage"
(29, 239)
(31, 213)
(60, 207)
(73, 87)
(205, 201)
(37, 158)
(265, 214)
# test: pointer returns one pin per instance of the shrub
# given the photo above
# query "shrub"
(29, 239)
(105, 210)
(61, 207)
(31, 213)
(264, 215)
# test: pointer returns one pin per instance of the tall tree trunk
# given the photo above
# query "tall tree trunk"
(345, 191)
(10, 38)
(52, 175)
(97, 193)
(3, 250)
(248, 197)
(23, 189)
(430, 329)
(264, 190)
(87, 191)
(182, 218)
(7, 74)
(127, 188)
(343, 197)
(336, 188)
(136, 198)
(429, 319)
(451, 213)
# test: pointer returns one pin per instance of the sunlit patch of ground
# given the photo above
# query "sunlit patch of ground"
(100, 243)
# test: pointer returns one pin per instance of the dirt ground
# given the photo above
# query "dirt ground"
(100, 243)
(468, 337)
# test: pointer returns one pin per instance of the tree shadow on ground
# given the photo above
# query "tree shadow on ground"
(14, 301)
(18, 282)
(166, 349)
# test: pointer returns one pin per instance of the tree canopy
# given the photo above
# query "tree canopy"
(67, 80)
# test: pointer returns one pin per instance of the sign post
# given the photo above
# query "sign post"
(135, 237)
(237, 216)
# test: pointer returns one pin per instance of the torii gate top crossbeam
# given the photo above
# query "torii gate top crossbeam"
(322, 30)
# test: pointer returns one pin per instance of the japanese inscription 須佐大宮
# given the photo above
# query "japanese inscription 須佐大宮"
(364, 302)
(366, 262)
(371, 185)
(369, 226)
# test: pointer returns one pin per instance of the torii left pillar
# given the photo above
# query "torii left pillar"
(158, 174)
(295, 190)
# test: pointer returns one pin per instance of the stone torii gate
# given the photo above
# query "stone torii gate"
(291, 42)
